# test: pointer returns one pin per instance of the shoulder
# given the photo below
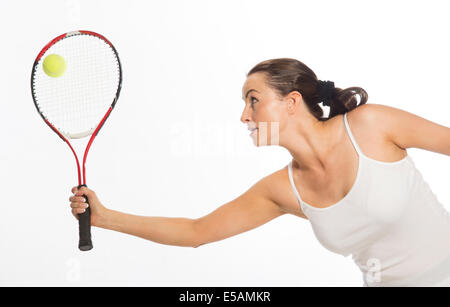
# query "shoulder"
(374, 118)
(369, 112)
(403, 128)
(375, 113)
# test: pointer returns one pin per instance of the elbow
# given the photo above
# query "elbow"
(198, 245)
(197, 242)
(197, 238)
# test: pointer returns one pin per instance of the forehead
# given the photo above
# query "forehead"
(255, 81)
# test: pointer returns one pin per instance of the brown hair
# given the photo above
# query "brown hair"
(285, 75)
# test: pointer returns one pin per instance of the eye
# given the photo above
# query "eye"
(253, 100)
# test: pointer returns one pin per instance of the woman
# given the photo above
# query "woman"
(350, 176)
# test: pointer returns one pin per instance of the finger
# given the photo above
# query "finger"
(74, 190)
(78, 210)
(79, 199)
(83, 191)
(88, 193)
(76, 205)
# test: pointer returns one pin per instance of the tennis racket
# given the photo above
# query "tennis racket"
(76, 103)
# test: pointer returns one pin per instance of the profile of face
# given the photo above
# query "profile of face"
(264, 110)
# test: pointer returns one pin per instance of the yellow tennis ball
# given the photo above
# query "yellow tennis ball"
(54, 65)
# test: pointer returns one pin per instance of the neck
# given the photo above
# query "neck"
(313, 143)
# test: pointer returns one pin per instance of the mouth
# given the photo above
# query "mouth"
(252, 129)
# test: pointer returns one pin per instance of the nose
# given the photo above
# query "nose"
(245, 117)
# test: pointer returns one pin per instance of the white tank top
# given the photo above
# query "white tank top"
(390, 221)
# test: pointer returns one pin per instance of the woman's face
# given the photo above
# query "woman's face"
(263, 110)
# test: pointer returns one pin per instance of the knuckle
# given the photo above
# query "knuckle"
(76, 205)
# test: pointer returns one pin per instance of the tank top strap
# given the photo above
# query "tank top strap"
(291, 179)
(347, 127)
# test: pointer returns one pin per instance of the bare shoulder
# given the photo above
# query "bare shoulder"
(373, 126)
(371, 118)
(279, 189)
(369, 113)
(405, 129)
(378, 116)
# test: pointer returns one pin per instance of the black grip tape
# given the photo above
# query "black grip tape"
(84, 224)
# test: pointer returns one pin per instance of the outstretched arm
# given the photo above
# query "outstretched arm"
(251, 209)
(248, 211)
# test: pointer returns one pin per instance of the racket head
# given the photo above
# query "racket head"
(74, 104)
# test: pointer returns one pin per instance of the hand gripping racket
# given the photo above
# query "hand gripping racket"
(74, 91)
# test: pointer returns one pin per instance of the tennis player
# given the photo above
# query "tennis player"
(350, 176)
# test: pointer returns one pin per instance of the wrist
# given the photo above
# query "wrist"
(104, 219)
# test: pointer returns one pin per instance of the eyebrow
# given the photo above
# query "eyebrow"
(252, 90)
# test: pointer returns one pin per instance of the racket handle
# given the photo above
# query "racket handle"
(84, 224)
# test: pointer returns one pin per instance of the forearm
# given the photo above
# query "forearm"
(164, 230)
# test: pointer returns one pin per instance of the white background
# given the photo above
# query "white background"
(174, 145)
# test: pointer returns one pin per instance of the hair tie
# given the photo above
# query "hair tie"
(326, 91)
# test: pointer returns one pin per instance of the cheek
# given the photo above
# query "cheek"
(276, 116)
(271, 121)
(269, 112)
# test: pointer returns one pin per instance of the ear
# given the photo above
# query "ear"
(293, 101)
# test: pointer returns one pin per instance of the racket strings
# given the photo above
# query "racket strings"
(76, 101)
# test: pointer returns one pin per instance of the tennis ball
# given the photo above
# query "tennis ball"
(54, 65)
